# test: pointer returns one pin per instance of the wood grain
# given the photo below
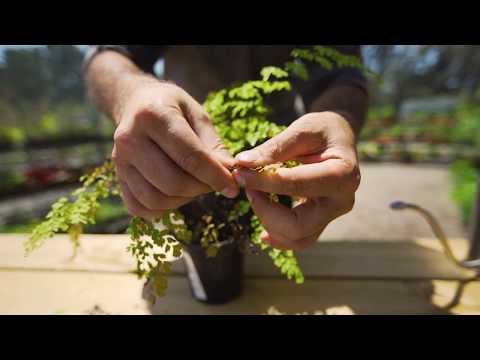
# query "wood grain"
(369, 277)
(352, 259)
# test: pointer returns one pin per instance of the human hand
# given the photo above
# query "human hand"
(166, 150)
(327, 179)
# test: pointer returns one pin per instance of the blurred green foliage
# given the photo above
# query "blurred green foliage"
(25, 227)
(461, 127)
(12, 135)
(110, 210)
(63, 121)
(42, 97)
(467, 129)
(10, 180)
(381, 113)
(464, 186)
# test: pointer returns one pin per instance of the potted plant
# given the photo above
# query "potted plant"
(212, 233)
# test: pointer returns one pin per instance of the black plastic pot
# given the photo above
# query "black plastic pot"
(216, 280)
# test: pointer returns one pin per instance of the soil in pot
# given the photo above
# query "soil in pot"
(217, 279)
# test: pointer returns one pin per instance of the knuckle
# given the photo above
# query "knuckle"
(348, 175)
(203, 116)
(154, 114)
(172, 129)
(296, 185)
(147, 114)
(147, 109)
(115, 156)
(306, 126)
(348, 205)
(219, 146)
(271, 150)
(123, 137)
(173, 188)
(266, 151)
(134, 209)
(356, 178)
(190, 161)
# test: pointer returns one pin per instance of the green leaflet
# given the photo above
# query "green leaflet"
(70, 215)
(284, 260)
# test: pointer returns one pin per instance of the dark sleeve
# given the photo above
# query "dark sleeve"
(144, 56)
(320, 79)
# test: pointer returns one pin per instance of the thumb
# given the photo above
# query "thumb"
(285, 146)
(202, 125)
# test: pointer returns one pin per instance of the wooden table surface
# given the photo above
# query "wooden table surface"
(369, 277)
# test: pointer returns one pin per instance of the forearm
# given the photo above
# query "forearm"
(349, 101)
(110, 77)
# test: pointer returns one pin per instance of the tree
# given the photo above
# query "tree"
(423, 70)
(25, 76)
(65, 68)
(52, 74)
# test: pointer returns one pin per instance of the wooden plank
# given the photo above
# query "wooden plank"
(97, 253)
(61, 293)
(461, 298)
(374, 260)
(44, 292)
(49, 293)
(359, 259)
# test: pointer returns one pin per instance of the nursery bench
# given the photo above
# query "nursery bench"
(369, 277)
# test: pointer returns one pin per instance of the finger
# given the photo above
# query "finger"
(275, 217)
(134, 207)
(297, 139)
(210, 138)
(182, 145)
(326, 179)
(146, 194)
(286, 244)
(161, 171)
(204, 128)
(267, 239)
(302, 221)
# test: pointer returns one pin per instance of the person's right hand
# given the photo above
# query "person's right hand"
(166, 150)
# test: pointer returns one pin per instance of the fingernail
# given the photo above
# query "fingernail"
(230, 192)
(239, 178)
(247, 156)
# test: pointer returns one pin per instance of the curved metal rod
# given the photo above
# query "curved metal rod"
(439, 233)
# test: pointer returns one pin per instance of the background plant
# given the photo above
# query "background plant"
(465, 178)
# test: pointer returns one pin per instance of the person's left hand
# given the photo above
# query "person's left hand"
(328, 178)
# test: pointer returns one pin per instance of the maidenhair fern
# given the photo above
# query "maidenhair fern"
(241, 119)
(71, 216)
